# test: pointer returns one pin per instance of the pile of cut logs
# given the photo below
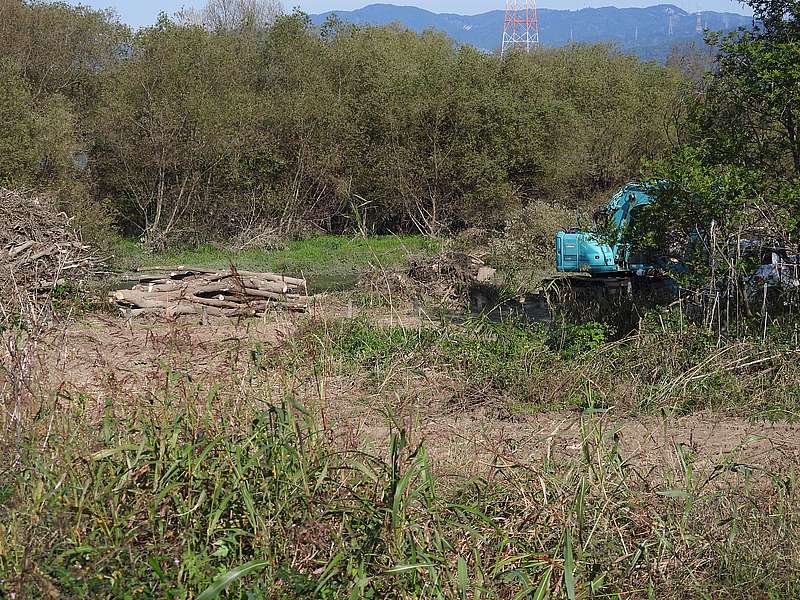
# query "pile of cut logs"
(200, 291)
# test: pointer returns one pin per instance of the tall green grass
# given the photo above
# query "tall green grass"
(236, 488)
(190, 491)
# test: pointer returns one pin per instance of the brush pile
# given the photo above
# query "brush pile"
(453, 270)
(199, 291)
(39, 249)
(445, 278)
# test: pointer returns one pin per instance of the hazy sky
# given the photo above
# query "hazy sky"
(143, 12)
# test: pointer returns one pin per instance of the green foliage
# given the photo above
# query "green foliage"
(736, 175)
(18, 157)
(573, 340)
(329, 262)
(62, 49)
(53, 59)
(196, 133)
(702, 208)
(758, 77)
(617, 111)
(38, 138)
(177, 117)
(173, 500)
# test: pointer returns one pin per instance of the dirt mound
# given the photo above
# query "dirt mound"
(39, 250)
(444, 278)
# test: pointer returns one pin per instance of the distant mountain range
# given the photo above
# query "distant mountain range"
(648, 32)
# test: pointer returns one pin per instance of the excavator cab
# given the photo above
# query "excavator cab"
(602, 252)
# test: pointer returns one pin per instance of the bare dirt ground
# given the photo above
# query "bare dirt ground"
(104, 357)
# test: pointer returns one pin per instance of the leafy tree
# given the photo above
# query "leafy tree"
(38, 139)
(399, 98)
(178, 121)
(53, 59)
(18, 156)
(753, 104)
(308, 120)
(193, 128)
(618, 110)
(737, 177)
(60, 48)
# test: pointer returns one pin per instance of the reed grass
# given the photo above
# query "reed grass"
(194, 491)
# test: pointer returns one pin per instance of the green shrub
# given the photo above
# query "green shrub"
(572, 340)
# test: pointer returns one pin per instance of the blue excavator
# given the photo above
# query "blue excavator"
(612, 264)
(611, 267)
(602, 272)
(599, 269)
(585, 252)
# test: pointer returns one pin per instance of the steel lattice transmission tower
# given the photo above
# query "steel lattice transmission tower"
(520, 26)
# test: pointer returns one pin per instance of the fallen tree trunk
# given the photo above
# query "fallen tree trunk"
(197, 290)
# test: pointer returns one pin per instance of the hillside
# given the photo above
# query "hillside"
(643, 31)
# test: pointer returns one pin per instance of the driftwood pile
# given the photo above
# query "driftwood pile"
(200, 291)
(39, 249)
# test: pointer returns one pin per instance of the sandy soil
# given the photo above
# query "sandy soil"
(105, 357)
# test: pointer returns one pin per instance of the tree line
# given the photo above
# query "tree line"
(211, 122)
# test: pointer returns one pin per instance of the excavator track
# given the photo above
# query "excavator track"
(582, 298)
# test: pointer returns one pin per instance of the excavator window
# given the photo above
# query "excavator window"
(600, 217)
(638, 256)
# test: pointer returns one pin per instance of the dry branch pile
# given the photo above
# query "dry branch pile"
(195, 290)
(39, 249)
(444, 278)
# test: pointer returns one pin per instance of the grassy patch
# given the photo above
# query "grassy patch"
(329, 262)
(486, 358)
(166, 502)
(529, 368)
(163, 492)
